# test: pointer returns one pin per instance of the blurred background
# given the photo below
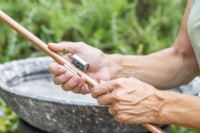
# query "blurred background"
(114, 26)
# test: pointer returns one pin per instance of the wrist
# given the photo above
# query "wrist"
(168, 107)
(113, 64)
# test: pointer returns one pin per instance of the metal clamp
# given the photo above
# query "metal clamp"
(80, 63)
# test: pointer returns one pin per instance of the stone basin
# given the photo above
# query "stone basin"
(27, 87)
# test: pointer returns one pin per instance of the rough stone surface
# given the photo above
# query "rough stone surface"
(27, 87)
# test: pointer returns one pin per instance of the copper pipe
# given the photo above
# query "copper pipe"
(58, 58)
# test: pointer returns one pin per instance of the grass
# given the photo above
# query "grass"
(114, 26)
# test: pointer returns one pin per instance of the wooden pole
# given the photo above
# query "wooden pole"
(58, 58)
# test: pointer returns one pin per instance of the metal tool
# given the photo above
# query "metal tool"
(58, 58)
(80, 63)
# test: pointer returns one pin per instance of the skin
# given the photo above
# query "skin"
(132, 84)
(98, 69)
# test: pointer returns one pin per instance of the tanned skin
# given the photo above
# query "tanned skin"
(131, 85)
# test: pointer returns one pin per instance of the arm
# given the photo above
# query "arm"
(180, 110)
(134, 101)
(165, 69)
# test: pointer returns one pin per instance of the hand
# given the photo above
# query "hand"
(98, 69)
(130, 100)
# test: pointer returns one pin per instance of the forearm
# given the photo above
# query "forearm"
(165, 69)
(179, 109)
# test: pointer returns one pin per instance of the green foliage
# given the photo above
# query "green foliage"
(177, 129)
(8, 122)
(114, 26)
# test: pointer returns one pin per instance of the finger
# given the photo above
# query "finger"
(116, 107)
(112, 111)
(71, 84)
(69, 47)
(83, 87)
(87, 89)
(136, 119)
(123, 117)
(104, 88)
(76, 90)
(56, 69)
(61, 79)
(83, 90)
(106, 99)
(80, 88)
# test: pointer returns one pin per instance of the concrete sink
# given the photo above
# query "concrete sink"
(27, 88)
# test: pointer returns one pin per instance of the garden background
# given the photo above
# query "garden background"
(114, 26)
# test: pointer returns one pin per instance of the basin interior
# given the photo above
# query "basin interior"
(39, 85)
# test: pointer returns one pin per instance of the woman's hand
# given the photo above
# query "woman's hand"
(98, 68)
(131, 100)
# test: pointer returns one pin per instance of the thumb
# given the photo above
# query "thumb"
(69, 47)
